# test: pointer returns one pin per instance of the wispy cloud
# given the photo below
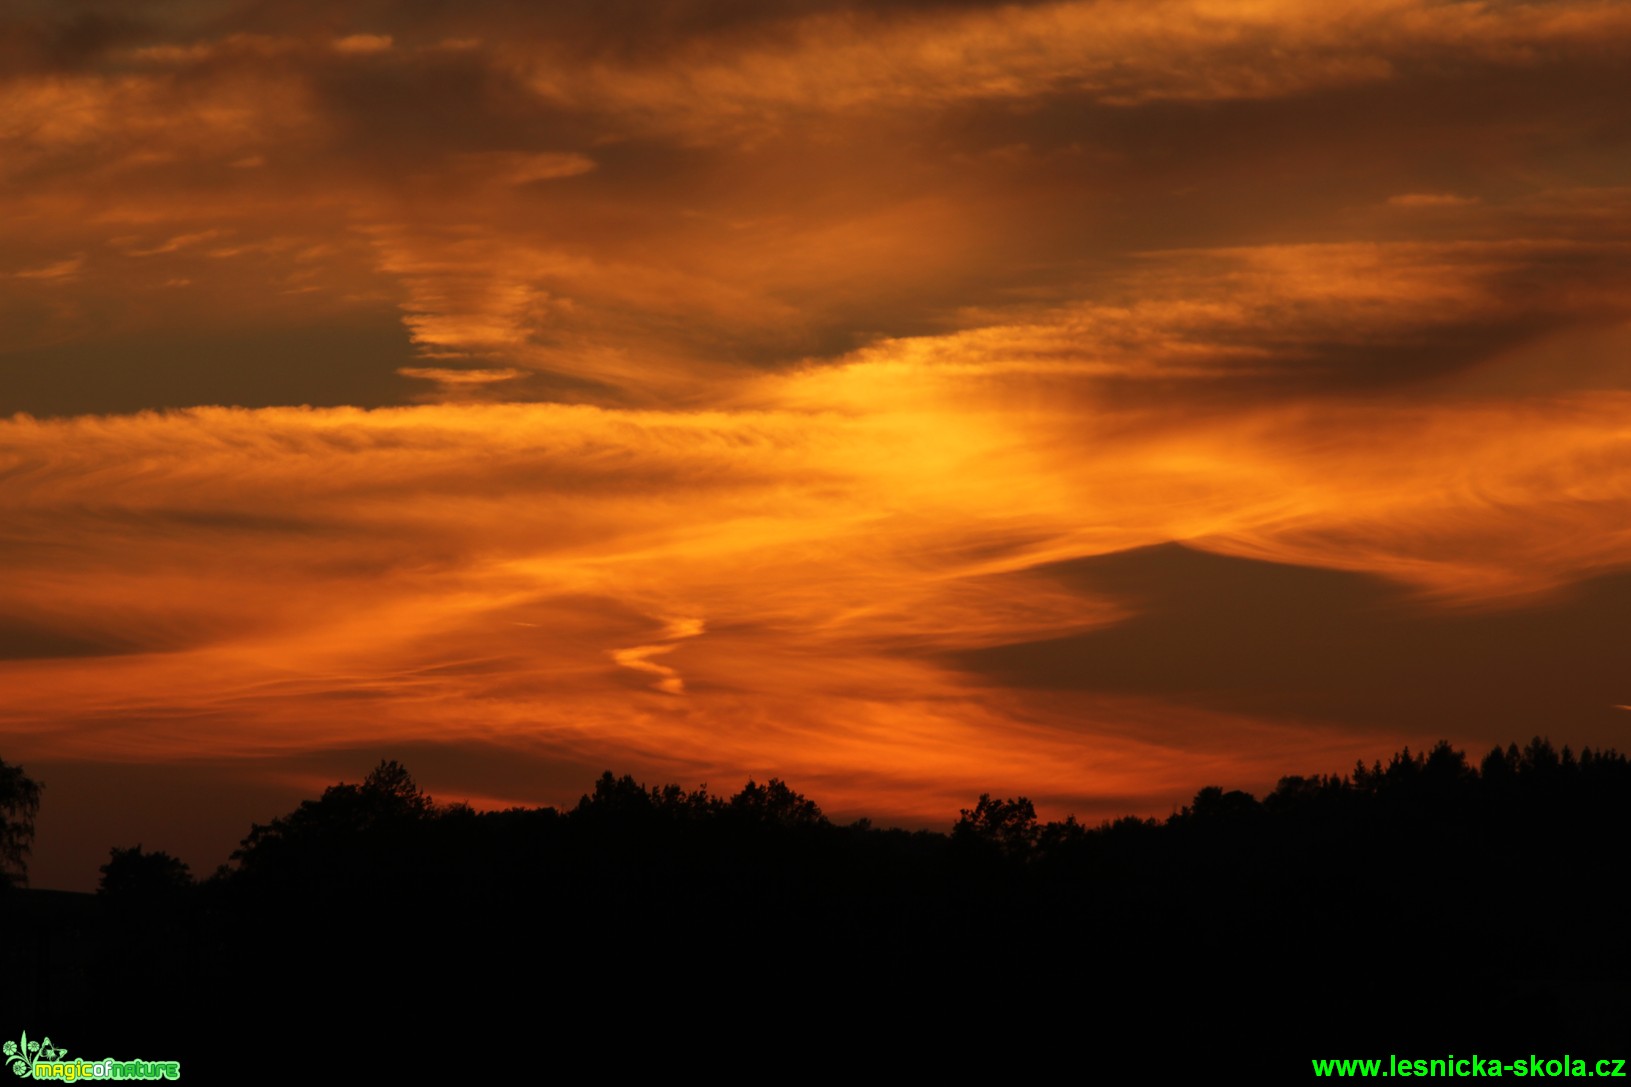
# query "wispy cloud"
(61, 270)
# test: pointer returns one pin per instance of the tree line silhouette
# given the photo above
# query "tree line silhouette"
(1418, 904)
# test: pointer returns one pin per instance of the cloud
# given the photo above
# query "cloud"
(636, 215)
(362, 43)
(521, 167)
(639, 659)
(1290, 642)
(1430, 200)
(517, 557)
(455, 378)
(65, 269)
(1121, 54)
(180, 241)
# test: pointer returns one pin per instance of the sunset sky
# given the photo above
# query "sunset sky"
(1093, 401)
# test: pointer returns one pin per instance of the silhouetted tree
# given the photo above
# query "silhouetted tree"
(1057, 835)
(1213, 805)
(1446, 766)
(1296, 795)
(132, 874)
(388, 799)
(775, 804)
(616, 797)
(1009, 825)
(1540, 758)
(391, 791)
(19, 803)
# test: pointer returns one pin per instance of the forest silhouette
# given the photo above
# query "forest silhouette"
(1421, 906)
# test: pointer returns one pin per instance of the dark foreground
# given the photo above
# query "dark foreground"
(1423, 908)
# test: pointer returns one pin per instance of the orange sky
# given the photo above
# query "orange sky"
(1087, 400)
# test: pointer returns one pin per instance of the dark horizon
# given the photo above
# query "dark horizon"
(1425, 906)
(1538, 748)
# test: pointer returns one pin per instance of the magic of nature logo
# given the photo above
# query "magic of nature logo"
(42, 1060)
